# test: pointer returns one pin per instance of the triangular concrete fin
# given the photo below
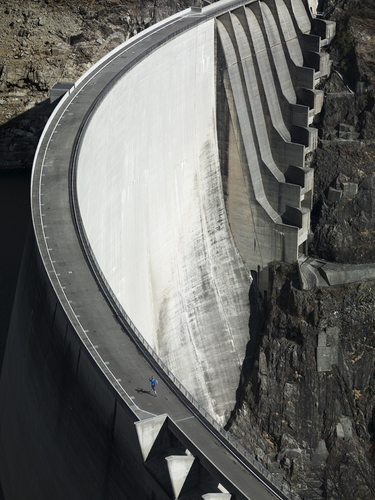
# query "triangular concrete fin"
(217, 496)
(147, 431)
(179, 467)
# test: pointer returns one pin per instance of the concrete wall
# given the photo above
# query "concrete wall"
(64, 431)
(150, 196)
(264, 133)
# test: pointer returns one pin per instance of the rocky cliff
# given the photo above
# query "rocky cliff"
(45, 41)
(344, 162)
(307, 405)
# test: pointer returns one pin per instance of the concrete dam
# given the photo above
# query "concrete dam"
(167, 179)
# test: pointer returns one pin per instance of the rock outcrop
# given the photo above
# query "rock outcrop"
(45, 41)
(344, 162)
(309, 395)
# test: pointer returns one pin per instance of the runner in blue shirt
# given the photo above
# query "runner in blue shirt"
(154, 382)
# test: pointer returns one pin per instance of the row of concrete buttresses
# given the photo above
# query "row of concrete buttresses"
(270, 61)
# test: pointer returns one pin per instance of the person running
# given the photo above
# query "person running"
(154, 383)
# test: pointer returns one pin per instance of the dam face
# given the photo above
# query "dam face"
(150, 197)
(225, 96)
(166, 181)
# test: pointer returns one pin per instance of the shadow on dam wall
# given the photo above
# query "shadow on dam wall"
(17, 154)
(14, 221)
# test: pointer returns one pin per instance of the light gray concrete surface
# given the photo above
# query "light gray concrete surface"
(179, 468)
(274, 41)
(301, 15)
(289, 33)
(338, 274)
(319, 273)
(246, 124)
(150, 196)
(266, 76)
(262, 45)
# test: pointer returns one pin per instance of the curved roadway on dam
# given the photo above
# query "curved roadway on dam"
(69, 363)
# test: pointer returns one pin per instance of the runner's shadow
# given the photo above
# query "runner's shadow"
(142, 391)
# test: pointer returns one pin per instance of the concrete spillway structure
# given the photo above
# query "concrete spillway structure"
(171, 172)
(264, 131)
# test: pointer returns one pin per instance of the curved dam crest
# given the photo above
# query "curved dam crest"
(150, 196)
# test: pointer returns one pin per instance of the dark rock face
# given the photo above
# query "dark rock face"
(307, 408)
(45, 41)
(310, 397)
(345, 226)
(344, 162)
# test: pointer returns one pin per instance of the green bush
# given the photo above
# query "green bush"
(346, 43)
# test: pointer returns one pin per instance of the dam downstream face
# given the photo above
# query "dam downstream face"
(150, 197)
(229, 96)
